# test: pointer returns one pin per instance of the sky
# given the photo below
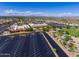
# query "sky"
(39, 8)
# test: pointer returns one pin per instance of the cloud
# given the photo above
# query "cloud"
(64, 14)
(24, 13)
(12, 12)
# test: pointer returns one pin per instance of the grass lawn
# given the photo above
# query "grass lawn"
(72, 32)
(71, 51)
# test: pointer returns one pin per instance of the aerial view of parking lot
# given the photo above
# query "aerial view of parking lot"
(39, 29)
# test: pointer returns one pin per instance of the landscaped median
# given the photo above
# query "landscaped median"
(52, 48)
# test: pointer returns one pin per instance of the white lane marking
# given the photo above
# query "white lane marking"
(4, 45)
(17, 48)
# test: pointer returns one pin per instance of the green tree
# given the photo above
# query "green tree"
(29, 29)
(67, 38)
(20, 19)
(72, 46)
(78, 55)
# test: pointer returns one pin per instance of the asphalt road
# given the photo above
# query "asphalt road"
(59, 51)
(33, 45)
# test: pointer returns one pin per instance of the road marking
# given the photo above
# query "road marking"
(50, 46)
(33, 42)
(4, 45)
(17, 48)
